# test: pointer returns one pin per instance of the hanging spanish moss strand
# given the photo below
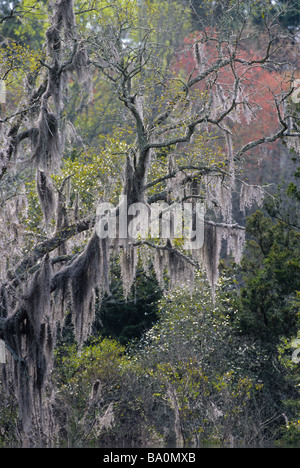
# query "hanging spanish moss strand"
(11, 239)
(81, 63)
(32, 341)
(159, 267)
(235, 244)
(180, 272)
(47, 146)
(249, 195)
(172, 269)
(57, 85)
(31, 334)
(46, 196)
(56, 76)
(209, 255)
(144, 256)
(131, 188)
(65, 18)
(219, 197)
(47, 150)
(88, 271)
(225, 201)
(3, 160)
(199, 56)
(230, 152)
(65, 15)
(128, 263)
(247, 111)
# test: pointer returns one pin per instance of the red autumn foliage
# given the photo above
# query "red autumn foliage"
(259, 87)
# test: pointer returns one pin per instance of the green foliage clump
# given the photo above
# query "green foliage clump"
(188, 382)
(272, 278)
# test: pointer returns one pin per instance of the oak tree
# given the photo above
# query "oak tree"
(175, 146)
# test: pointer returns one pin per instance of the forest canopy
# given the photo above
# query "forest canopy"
(184, 115)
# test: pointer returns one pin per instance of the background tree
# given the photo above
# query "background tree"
(271, 279)
(192, 380)
(271, 271)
